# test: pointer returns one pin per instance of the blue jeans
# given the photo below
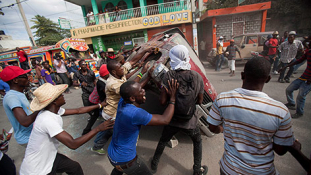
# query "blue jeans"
(41, 82)
(220, 60)
(101, 138)
(138, 168)
(275, 62)
(289, 73)
(65, 79)
(304, 89)
(298, 65)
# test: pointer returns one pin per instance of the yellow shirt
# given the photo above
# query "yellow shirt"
(219, 49)
(112, 91)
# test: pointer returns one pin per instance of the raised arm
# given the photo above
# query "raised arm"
(83, 110)
(166, 117)
(139, 55)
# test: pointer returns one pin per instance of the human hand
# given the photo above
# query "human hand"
(122, 47)
(309, 81)
(84, 83)
(173, 86)
(296, 145)
(104, 103)
(151, 70)
(150, 49)
(108, 124)
(145, 68)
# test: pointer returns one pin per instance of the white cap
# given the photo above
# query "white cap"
(221, 37)
(292, 33)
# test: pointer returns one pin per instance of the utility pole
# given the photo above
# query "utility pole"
(194, 27)
(26, 22)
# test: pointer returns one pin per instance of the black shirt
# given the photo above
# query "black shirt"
(89, 78)
(101, 90)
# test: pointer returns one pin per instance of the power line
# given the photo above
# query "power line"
(32, 8)
(12, 4)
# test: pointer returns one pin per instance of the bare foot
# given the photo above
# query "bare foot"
(232, 75)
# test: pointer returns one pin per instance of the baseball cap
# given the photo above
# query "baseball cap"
(221, 37)
(11, 72)
(103, 71)
(232, 40)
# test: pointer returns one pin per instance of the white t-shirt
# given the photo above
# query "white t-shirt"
(42, 146)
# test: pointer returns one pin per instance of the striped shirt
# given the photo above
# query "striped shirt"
(307, 73)
(251, 121)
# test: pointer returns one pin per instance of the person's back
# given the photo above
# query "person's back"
(254, 125)
(251, 119)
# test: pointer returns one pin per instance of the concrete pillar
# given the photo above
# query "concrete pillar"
(263, 21)
(194, 29)
(142, 7)
(84, 12)
(95, 10)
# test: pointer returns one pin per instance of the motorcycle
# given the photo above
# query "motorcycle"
(29, 91)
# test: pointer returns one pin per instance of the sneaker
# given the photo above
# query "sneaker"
(290, 106)
(203, 171)
(98, 151)
(281, 81)
(275, 72)
(153, 166)
(287, 81)
(297, 115)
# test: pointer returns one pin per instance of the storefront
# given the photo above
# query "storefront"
(132, 31)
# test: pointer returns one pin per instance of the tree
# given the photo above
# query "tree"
(47, 32)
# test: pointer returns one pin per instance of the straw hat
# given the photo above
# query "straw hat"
(275, 33)
(45, 94)
(110, 50)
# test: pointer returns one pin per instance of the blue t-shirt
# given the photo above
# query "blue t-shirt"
(129, 119)
(4, 86)
(11, 100)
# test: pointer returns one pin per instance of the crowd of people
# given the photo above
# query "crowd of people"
(249, 145)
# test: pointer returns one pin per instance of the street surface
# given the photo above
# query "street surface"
(179, 160)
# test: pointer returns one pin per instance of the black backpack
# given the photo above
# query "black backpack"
(186, 97)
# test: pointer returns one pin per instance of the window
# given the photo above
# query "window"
(109, 6)
(122, 5)
(251, 40)
(238, 40)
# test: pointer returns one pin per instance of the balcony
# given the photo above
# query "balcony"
(138, 12)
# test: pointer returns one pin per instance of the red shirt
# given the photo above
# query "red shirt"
(21, 56)
(272, 42)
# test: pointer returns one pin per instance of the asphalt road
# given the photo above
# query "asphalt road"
(179, 160)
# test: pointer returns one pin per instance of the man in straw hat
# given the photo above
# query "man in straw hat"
(112, 56)
(15, 103)
(41, 154)
(289, 51)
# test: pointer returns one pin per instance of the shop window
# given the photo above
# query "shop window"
(109, 6)
(122, 5)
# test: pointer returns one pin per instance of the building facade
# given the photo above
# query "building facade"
(111, 24)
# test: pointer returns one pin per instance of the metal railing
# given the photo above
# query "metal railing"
(138, 12)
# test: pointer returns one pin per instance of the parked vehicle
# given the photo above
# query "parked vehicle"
(246, 43)
(163, 42)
